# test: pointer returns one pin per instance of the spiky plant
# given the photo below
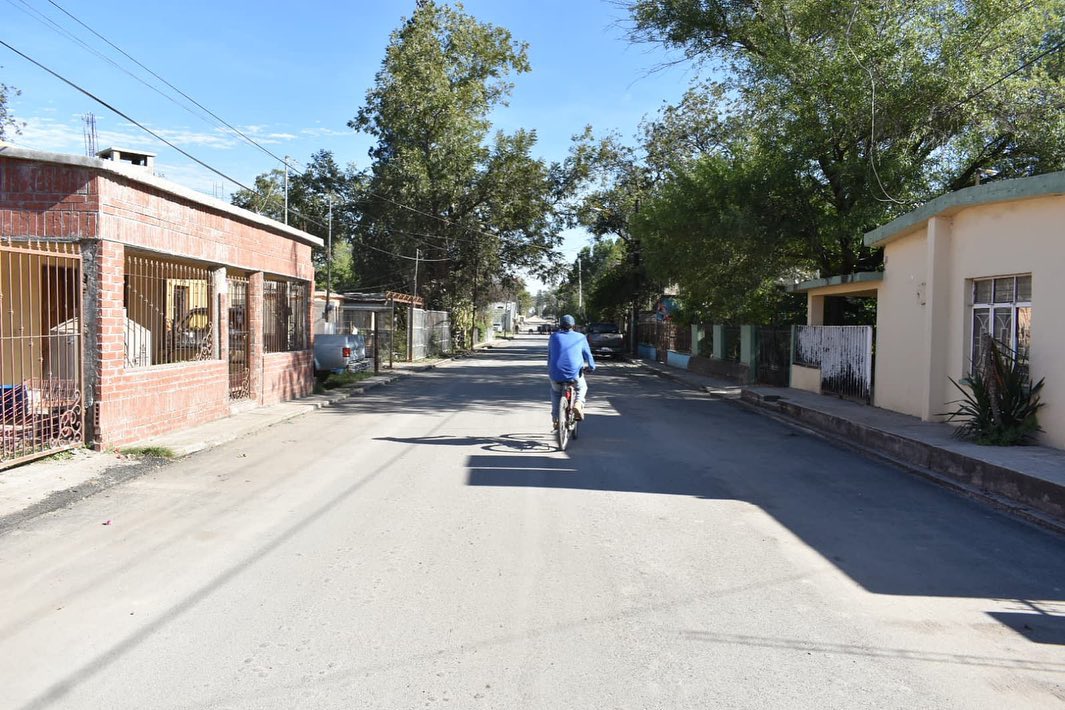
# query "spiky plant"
(999, 403)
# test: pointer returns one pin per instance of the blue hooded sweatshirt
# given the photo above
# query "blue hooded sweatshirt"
(567, 351)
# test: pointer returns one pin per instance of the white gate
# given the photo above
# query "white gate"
(844, 354)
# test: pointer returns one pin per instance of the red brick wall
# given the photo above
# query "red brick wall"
(52, 200)
(287, 376)
(139, 404)
(140, 216)
(44, 200)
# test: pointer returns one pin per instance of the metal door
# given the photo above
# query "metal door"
(239, 338)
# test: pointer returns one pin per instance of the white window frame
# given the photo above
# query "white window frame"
(993, 306)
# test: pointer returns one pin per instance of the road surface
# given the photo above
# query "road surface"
(425, 546)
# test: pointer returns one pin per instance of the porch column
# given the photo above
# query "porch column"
(935, 297)
(218, 305)
(815, 309)
(105, 335)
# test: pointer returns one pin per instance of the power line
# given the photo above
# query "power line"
(129, 118)
(194, 101)
(398, 256)
(1056, 48)
(62, 31)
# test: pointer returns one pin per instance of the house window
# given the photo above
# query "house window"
(285, 314)
(1002, 308)
(168, 316)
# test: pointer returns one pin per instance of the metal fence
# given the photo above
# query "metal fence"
(774, 356)
(665, 335)
(41, 347)
(168, 314)
(432, 333)
(285, 314)
(732, 343)
(844, 354)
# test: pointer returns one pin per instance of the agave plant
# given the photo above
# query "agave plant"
(999, 402)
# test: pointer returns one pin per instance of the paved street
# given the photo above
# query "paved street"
(425, 545)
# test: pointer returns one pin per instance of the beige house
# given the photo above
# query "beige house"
(986, 259)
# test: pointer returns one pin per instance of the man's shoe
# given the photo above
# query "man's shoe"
(578, 411)
(554, 425)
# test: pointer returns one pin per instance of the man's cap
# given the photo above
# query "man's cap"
(567, 321)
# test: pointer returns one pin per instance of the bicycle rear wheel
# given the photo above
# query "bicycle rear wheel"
(563, 423)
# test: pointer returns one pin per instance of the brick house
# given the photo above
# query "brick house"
(132, 306)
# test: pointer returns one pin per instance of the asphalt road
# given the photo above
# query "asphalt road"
(424, 545)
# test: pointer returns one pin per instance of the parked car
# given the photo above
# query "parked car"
(337, 353)
(605, 339)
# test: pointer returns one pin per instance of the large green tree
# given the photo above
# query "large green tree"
(830, 117)
(447, 197)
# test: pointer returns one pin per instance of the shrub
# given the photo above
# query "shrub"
(1000, 405)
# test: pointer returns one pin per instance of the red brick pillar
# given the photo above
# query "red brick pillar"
(219, 307)
(110, 326)
(255, 335)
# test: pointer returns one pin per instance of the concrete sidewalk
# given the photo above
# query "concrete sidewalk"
(1026, 480)
(48, 484)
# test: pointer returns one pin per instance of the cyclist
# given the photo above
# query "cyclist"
(567, 355)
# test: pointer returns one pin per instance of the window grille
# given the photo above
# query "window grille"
(1002, 308)
(285, 314)
(168, 314)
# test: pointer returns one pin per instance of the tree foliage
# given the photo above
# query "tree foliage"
(470, 206)
(8, 124)
(831, 117)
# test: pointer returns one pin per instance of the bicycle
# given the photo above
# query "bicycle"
(567, 420)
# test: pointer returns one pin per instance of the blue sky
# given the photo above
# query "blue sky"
(291, 75)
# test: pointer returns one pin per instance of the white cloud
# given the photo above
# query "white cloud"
(324, 132)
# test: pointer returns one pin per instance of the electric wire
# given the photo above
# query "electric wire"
(63, 32)
(157, 136)
(211, 113)
(129, 118)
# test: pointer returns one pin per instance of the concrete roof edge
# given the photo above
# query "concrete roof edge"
(139, 174)
(1025, 188)
(860, 277)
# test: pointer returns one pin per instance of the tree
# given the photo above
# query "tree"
(465, 208)
(8, 124)
(836, 116)
(309, 196)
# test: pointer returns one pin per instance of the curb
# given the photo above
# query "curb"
(1010, 492)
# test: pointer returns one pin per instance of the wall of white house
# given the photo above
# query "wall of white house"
(924, 311)
(900, 316)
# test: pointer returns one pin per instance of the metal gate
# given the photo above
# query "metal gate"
(239, 338)
(844, 354)
(774, 356)
(41, 401)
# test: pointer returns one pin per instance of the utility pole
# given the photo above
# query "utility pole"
(580, 287)
(417, 256)
(285, 190)
(329, 262)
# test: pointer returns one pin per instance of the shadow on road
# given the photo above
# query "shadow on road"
(890, 532)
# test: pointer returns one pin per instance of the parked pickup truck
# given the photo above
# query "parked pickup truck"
(337, 353)
(605, 339)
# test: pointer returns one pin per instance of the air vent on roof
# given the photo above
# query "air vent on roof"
(132, 157)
